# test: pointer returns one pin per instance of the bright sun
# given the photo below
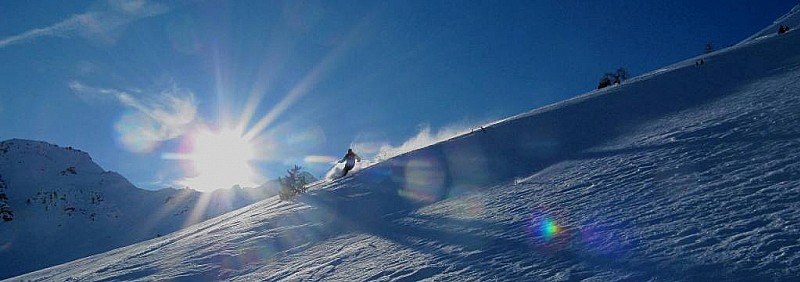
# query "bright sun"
(219, 160)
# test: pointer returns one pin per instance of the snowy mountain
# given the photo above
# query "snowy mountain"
(688, 173)
(58, 205)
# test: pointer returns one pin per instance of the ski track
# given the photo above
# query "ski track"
(706, 192)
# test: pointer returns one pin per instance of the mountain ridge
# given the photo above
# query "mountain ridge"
(57, 198)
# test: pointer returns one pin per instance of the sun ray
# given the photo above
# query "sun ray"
(171, 207)
(220, 83)
(266, 74)
(308, 82)
(196, 215)
(221, 158)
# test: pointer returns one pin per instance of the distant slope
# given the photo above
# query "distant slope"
(689, 173)
(790, 20)
(57, 205)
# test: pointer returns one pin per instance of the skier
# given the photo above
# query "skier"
(350, 159)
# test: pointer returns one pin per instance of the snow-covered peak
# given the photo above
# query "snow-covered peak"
(45, 159)
(29, 167)
(56, 205)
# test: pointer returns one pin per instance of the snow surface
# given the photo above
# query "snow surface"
(687, 173)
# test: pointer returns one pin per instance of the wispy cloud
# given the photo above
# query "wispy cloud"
(150, 121)
(91, 94)
(100, 24)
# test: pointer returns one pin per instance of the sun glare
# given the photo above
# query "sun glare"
(221, 159)
(218, 160)
(225, 148)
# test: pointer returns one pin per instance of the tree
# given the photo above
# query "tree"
(620, 75)
(709, 48)
(616, 77)
(604, 82)
(294, 183)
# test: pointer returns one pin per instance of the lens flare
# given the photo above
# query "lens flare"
(424, 180)
(546, 231)
(316, 159)
(548, 228)
(135, 133)
(599, 239)
(9, 243)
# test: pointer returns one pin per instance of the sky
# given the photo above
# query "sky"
(209, 94)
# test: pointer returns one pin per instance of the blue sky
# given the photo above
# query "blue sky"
(140, 84)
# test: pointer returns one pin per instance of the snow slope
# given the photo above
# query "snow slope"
(686, 173)
(58, 205)
(790, 20)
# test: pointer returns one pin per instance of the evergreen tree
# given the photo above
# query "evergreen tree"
(604, 82)
(709, 48)
(294, 183)
(616, 77)
(621, 75)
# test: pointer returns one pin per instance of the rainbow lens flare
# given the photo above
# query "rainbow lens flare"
(548, 228)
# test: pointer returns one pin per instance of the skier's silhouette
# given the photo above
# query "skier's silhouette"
(350, 161)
